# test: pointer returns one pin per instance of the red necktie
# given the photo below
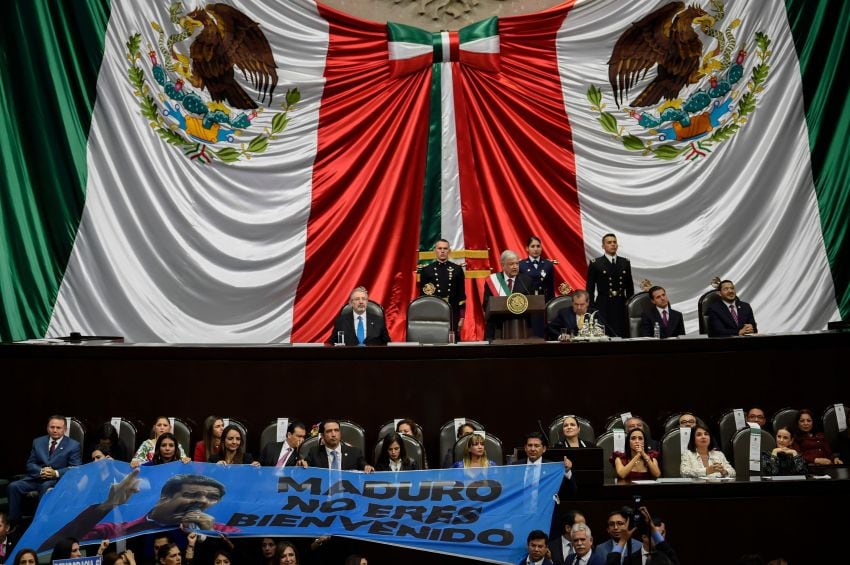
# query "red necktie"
(510, 285)
(283, 458)
(52, 448)
(664, 317)
(734, 312)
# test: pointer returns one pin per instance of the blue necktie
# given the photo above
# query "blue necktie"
(361, 330)
(334, 461)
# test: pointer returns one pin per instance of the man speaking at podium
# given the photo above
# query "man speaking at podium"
(509, 281)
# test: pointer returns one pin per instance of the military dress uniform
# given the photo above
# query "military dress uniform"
(610, 285)
(542, 274)
(447, 281)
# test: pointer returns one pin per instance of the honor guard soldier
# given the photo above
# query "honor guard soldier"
(541, 271)
(609, 282)
(445, 280)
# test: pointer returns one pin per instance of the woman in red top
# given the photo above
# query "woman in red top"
(811, 444)
(638, 464)
(211, 444)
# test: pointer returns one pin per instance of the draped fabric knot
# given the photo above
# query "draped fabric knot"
(412, 49)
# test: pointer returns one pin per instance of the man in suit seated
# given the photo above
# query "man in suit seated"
(50, 458)
(570, 320)
(333, 454)
(730, 316)
(505, 283)
(536, 549)
(583, 545)
(284, 453)
(358, 328)
(670, 322)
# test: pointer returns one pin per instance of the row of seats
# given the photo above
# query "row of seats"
(429, 318)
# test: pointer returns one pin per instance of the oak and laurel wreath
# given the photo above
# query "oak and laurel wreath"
(669, 151)
(171, 134)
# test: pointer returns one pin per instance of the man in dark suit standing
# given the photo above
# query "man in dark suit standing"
(610, 284)
(50, 457)
(730, 316)
(333, 454)
(570, 320)
(445, 280)
(358, 327)
(536, 549)
(284, 453)
(670, 322)
(505, 283)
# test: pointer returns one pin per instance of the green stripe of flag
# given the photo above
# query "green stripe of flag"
(51, 53)
(822, 38)
(408, 34)
(429, 227)
(479, 30)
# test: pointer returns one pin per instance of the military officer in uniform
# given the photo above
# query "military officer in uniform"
(610, 284)
(541, 271)
(445, 280)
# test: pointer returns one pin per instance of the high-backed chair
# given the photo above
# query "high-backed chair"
(309, 443)
(429, 320)
(830, 426)
(585, 432)
(741, 452)
(703, 304)
(76, 430)
(389, 427)
(183, 432)
(556, 305)
(492, 445)
(785, 417)
(353, 434)
(269, 433)
(448, 434)
(671, 453)
(728, 428)
(414, 450)
(606, 442)
(372, 309)
(127, 433)
(637, 305)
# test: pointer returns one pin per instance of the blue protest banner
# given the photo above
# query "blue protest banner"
(484, 513)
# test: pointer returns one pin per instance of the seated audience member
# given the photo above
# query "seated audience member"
(687, 420)
(409, 428)
(654, 549)
(811, 444)
(393, 455)
(536, 549)
(359, 327)
(146, 449)
(569, 321)
(124, 558)
(618, 524)
(571, 430)
(670, 322)
(268, 550)
(562, 547)
(170, 554)
(101, 452)
(584, 553)
(51, 456)
(702, 458)
(462, 431)
(285, 453)
(474, 453)
(66, 548)
(333, 454)
(637, 463)
(107, 436)
(730, 316)
(755, 415)
(165, 451)
(636, 423)
(233, 449)
(26, 556)
(286, 554)
(356, 559)
(211, 443)
(783, 459)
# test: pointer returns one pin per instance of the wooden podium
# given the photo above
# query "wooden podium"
(514, 327)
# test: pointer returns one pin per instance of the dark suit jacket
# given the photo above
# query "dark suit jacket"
(352, 458)
(67, 454)
(524, 560)
(663, 555)
(556, 548)
(566, 319)
(541, 283)
(596, 558)
(376, 330)
(522, 284)
(720, 320)
(675, 323)
(271, 452)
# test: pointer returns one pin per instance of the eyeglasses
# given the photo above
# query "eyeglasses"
(619, 523)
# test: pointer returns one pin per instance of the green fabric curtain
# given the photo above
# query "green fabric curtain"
(51, 53)
(821, 31)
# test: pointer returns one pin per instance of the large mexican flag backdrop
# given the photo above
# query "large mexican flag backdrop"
(230, 174)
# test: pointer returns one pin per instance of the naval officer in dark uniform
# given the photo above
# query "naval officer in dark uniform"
(541, 271)
(445, 280)
(610, 284)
